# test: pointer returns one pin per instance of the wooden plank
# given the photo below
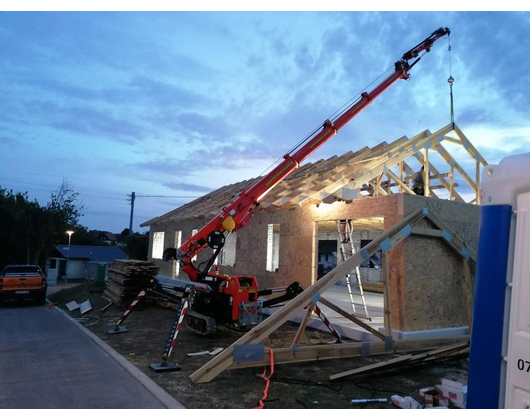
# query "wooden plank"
(453, 140)
(448, 351)
(400, 165)
(347, 350)
(451, 183)
(301, 329)
(427, 173)
(222, 361)
(423, 231)
(369, 368)
(470, 149)
(352, 318)
(477, 181)
(402, 185)
(312, 180)
(456, 243)
(406, 359)
(374, 169)
(419, 157)
(448, 159)
(440, 187)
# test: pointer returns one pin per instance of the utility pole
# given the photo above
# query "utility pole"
(133, 196)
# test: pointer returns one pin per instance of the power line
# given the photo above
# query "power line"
(165, 196)
(133, 197)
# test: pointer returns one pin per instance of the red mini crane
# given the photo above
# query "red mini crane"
(221, 299)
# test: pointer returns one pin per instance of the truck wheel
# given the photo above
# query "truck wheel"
(41, 300)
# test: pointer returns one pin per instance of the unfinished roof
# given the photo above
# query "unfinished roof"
(381, 170)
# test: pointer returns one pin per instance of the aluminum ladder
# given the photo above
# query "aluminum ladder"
(347, 249)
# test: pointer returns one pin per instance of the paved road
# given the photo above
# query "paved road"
(46, 362)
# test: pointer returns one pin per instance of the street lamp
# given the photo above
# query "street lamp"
(69, 233)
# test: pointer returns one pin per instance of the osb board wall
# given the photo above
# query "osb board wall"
(298, 240)
(461, 217)
(425, 275)
(433, 293)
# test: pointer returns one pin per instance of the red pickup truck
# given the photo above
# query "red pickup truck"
(21, 282)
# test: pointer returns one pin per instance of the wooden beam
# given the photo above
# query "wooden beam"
(451, 183)
(451, 161)
(303, 324)
(427, 173)
(225, 359)
(402, 185)
(386, 295)
(346, 350)
(477, 181)
(456, 243)
(352, 318)
(406, 359)
(401, 176)
(423, 231)
(419, 157)
(371, 170)
(453, 140)
(369, 368)
(442, 187)
(473, 152)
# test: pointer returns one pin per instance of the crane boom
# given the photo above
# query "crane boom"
(237, 214)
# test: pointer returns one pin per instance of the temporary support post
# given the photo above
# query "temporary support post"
(166, 366)
(118, 329)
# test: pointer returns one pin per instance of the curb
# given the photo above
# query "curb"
(162, 396)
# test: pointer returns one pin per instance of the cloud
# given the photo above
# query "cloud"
(496, 142)
(9, 141)
(182, 186)
(84, 120)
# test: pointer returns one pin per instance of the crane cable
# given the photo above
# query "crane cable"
(332, 117)
(451, 80)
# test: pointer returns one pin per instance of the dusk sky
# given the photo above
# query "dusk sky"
(179, 104)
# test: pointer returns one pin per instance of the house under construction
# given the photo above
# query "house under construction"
(344, 203)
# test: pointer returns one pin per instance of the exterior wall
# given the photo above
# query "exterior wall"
(298, 239)
(426, 277)
(433, 292)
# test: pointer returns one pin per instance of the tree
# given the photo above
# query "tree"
(30, 231)
(137, 245)
(60, 214)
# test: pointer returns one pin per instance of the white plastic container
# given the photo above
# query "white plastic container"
(518, 357)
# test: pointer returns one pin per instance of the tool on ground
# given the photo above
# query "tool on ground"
(369, 400)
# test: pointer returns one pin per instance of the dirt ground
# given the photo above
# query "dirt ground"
(300, 385)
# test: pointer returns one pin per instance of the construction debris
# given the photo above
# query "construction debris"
(405, 402)
(105, 307)
(408, 359)
(127, 278)
(85, 306)
(451, 390)
(72, 306)
(212, 352)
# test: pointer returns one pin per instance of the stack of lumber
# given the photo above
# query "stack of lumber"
(127, 278)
